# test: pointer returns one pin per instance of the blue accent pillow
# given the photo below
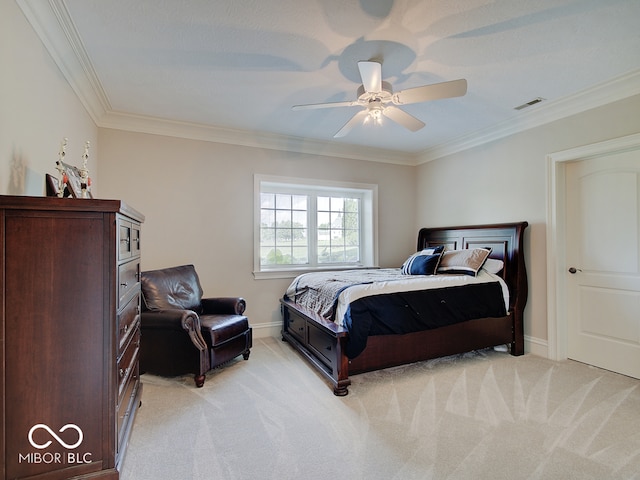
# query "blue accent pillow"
(424, 262)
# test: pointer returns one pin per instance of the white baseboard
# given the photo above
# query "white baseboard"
(271, 329)
(536, 346)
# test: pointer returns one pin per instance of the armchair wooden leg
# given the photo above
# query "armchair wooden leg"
(199, 379)
(245, 355)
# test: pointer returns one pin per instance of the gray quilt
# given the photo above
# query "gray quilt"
(318, 291)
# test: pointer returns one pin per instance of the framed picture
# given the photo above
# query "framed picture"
(74, 180)
(53, 186)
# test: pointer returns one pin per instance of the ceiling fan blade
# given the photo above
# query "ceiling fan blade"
(357, 118)
(403, 118)
(454, 88)
(371, 74)
(325, 105)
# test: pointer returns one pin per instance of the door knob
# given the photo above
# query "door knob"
(573, 270)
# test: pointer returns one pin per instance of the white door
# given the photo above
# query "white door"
(603, 259)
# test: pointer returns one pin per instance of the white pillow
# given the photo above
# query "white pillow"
(493, 265)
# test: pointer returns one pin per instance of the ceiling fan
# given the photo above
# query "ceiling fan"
(377, 99)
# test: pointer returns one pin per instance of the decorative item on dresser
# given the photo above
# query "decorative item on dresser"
(70, 289)
(85, 180)
(58, 187)
(73, 181)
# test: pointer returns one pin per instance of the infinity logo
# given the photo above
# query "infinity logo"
(59, 440)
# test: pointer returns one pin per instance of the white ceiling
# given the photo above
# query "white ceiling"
(217, 69)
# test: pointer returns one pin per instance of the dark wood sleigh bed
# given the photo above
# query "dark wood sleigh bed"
(323, 342)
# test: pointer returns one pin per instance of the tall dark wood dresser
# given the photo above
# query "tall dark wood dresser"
(70, 336)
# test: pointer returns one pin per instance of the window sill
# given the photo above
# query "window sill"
(293, 273)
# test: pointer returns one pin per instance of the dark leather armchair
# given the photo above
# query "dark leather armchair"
(185, 333)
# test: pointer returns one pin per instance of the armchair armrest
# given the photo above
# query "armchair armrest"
(177, 319)
(224, 305)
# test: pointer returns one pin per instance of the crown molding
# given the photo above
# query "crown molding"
(208, 133)
(613, 90)
(51, 21)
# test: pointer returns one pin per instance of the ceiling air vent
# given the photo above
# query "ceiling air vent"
(528, 104)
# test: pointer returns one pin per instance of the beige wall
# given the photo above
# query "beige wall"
(38, 109)
(506, 181)
(197, 197)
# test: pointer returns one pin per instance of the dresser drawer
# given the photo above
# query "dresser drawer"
(128, 281)
(126, 407)
(128, 239)
(127, 321)
(322, 344)
(135, 239)
(128, 364)
(124, 239)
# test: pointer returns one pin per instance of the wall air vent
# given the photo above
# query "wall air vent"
(528, 104)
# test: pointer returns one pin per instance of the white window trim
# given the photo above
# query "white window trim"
(369, 230)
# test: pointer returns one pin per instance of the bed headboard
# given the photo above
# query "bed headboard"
(506, 243)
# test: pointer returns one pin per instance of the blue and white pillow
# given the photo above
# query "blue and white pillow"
(424, 262)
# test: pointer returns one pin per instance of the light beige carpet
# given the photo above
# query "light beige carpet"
(482, 415)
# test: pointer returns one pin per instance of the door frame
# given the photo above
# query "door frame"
(557, 332)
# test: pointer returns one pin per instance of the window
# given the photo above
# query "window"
(307, 225)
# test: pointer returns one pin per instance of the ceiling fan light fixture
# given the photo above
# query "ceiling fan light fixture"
(378, 100)
(374, 116)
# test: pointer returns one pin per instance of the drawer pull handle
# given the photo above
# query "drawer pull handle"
(125, 284)
(123, 372)
(125, 240)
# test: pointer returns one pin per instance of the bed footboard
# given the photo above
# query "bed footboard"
(320, 342)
